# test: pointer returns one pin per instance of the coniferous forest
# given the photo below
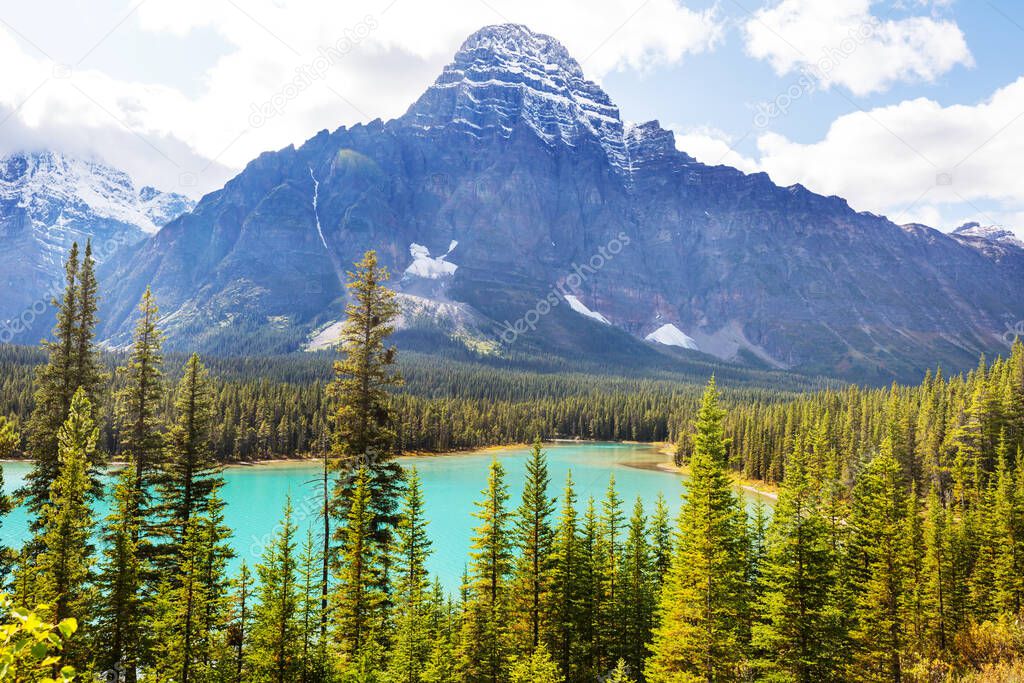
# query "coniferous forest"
(893, 552)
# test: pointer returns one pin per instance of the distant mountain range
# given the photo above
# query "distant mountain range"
(518, 213)
(47, 202)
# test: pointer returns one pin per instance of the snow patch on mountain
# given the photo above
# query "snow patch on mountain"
(581, 308)
(432, 268)
(670, 335)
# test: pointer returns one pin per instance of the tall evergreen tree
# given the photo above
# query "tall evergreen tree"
(140, 402)
(123, 607)
(636, 596)
(801, 626)
(275, 652)
(64, 567)
(702, 600)
(661, 540)
(484, 646)
(57, 381)
(357, 601)
(364, 434)
(565, 586)
(412, 643)
(609, 559)
(190, 473)
(533, 541)
(878, 519)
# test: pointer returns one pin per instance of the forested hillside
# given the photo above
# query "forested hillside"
(894, 551)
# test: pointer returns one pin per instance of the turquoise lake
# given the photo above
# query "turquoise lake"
(255, 494)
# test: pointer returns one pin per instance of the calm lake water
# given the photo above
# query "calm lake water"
(255, 495)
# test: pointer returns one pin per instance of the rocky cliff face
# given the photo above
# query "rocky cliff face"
(512, 183)
(47, 202)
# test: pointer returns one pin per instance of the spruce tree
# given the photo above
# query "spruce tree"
(702, 601)
(537, 667)
(636, 595)
(533, 540)
(878, 520)
(64, 566)
(412, 643)
(123, 607)
(484, 647)
(565, 585)
(190, 473)
(800, 628)
(937, 574)
(661, 540)
(357, 600)
(140, 402)
(314, 648)
(364, 434)
(609, 558)
(275, 651)
(56, 384)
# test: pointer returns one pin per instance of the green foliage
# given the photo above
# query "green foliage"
(30, 647)
(703, 597)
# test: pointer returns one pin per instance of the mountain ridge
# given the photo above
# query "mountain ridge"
(499, 158)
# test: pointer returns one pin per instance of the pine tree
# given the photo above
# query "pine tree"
(140, 402)
(636, 596)
(609, 559)
(537, 667)
(484, 646)
(702, 601)
(364, 433)
(1008, 534)
(56, 384)
(565, 585)
(64, 567)
(412, 643)
(314, 647)
(937, 573)
(123, 608)
(661, 540)
(275, 651)
(357, 600)
(238, 631)
(191, 605)
(800, 628)
(190, 473)
(878, 519)
(589, 588)
(533, 541)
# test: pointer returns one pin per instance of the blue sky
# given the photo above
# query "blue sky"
(915, 116)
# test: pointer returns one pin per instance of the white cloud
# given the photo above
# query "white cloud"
(387, 53)
(915, 160)
(712, 147)
(843, 44)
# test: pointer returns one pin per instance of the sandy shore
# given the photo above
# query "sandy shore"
(755, 487)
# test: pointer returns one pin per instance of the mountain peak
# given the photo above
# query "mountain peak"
(505, 75)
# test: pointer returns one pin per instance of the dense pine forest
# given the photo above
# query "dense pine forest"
(894, 551)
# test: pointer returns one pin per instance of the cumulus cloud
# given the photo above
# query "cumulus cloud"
(712, 147)
(842, 43)
(380, 55)
(916, 160)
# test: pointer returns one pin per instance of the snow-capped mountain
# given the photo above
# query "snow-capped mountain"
(504, 75)
(511, 201)
(47, 202)
(991, 233)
